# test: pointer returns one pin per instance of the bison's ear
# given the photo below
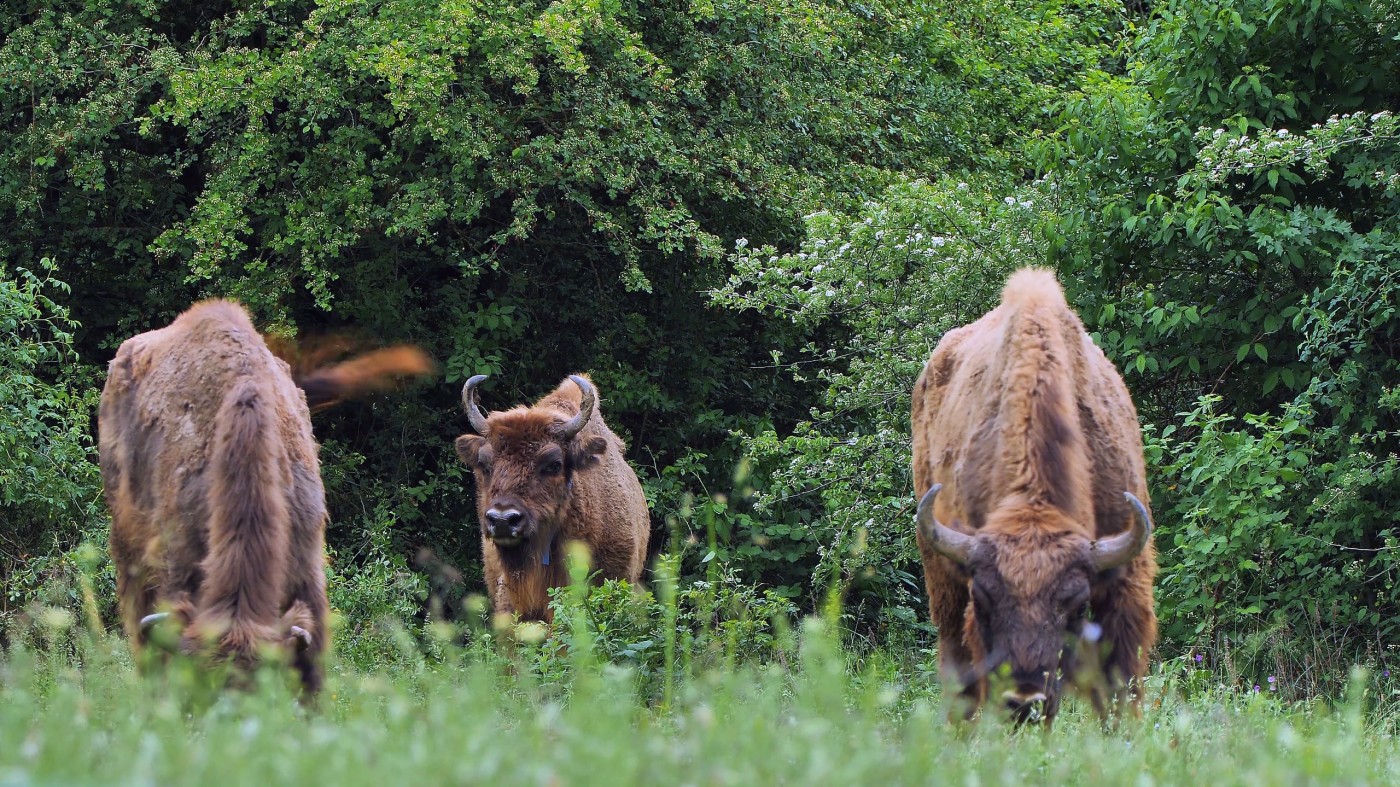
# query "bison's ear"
(468, 447)
(588, 451)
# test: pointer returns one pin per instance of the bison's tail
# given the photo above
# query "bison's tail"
(372, 371)
(249, 527)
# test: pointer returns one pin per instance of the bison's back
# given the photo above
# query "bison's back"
(163, 394)
(619, 507)
(612, 514)
(1023, 403)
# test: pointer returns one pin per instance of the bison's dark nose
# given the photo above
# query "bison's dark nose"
(504, 523)
(1027, 704)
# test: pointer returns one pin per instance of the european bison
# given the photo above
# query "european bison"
(1045, 564)
(211, 474)
(545, 475)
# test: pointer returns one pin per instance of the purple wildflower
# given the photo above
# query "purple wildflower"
(1256, 688)
(1198, 658)
(1271, 678)
(1386, 673)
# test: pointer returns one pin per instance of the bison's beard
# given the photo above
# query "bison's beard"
(527, 552)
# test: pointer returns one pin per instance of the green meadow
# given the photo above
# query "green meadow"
(582, 704)
(80, 714)
(749, 222)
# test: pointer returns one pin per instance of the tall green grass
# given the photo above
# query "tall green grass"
(720, 700)
(73, 710)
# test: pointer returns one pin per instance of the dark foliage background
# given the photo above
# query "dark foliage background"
(750, 222)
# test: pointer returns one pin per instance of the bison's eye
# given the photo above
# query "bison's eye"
(552, 467)
(981, 595)
(1075, 598)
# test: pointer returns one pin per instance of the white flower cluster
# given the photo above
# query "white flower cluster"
(1224, 154)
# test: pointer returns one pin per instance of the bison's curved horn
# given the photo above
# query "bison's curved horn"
(585, 409)
(148, 626)
(1117, 550)
(474, 413)
(950, 543)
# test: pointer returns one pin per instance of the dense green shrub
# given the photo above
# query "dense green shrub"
(924, 258)
(710, 625)
(49, 493)
(871, 288)
(751, 222)
(1224, 217)
(526, 189)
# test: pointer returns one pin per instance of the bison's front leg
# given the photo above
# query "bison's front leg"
(1123, 607)
(135, 600)
(136, 587)
(949, 609)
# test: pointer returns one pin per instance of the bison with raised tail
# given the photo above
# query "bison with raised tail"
(546, 475)
(1036, 547)
(212, 477)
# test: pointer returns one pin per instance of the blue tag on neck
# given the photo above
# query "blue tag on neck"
(549, 549)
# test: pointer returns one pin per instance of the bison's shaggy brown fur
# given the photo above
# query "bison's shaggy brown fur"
(538, 488)
(1034, 440)
(211, 474)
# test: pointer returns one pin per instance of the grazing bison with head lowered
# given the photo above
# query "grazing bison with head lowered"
(1037, 552)
(211, 474)
(545, 475)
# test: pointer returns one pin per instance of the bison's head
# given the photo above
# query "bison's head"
(1030, 572)
(525, 460)
(181, 630)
